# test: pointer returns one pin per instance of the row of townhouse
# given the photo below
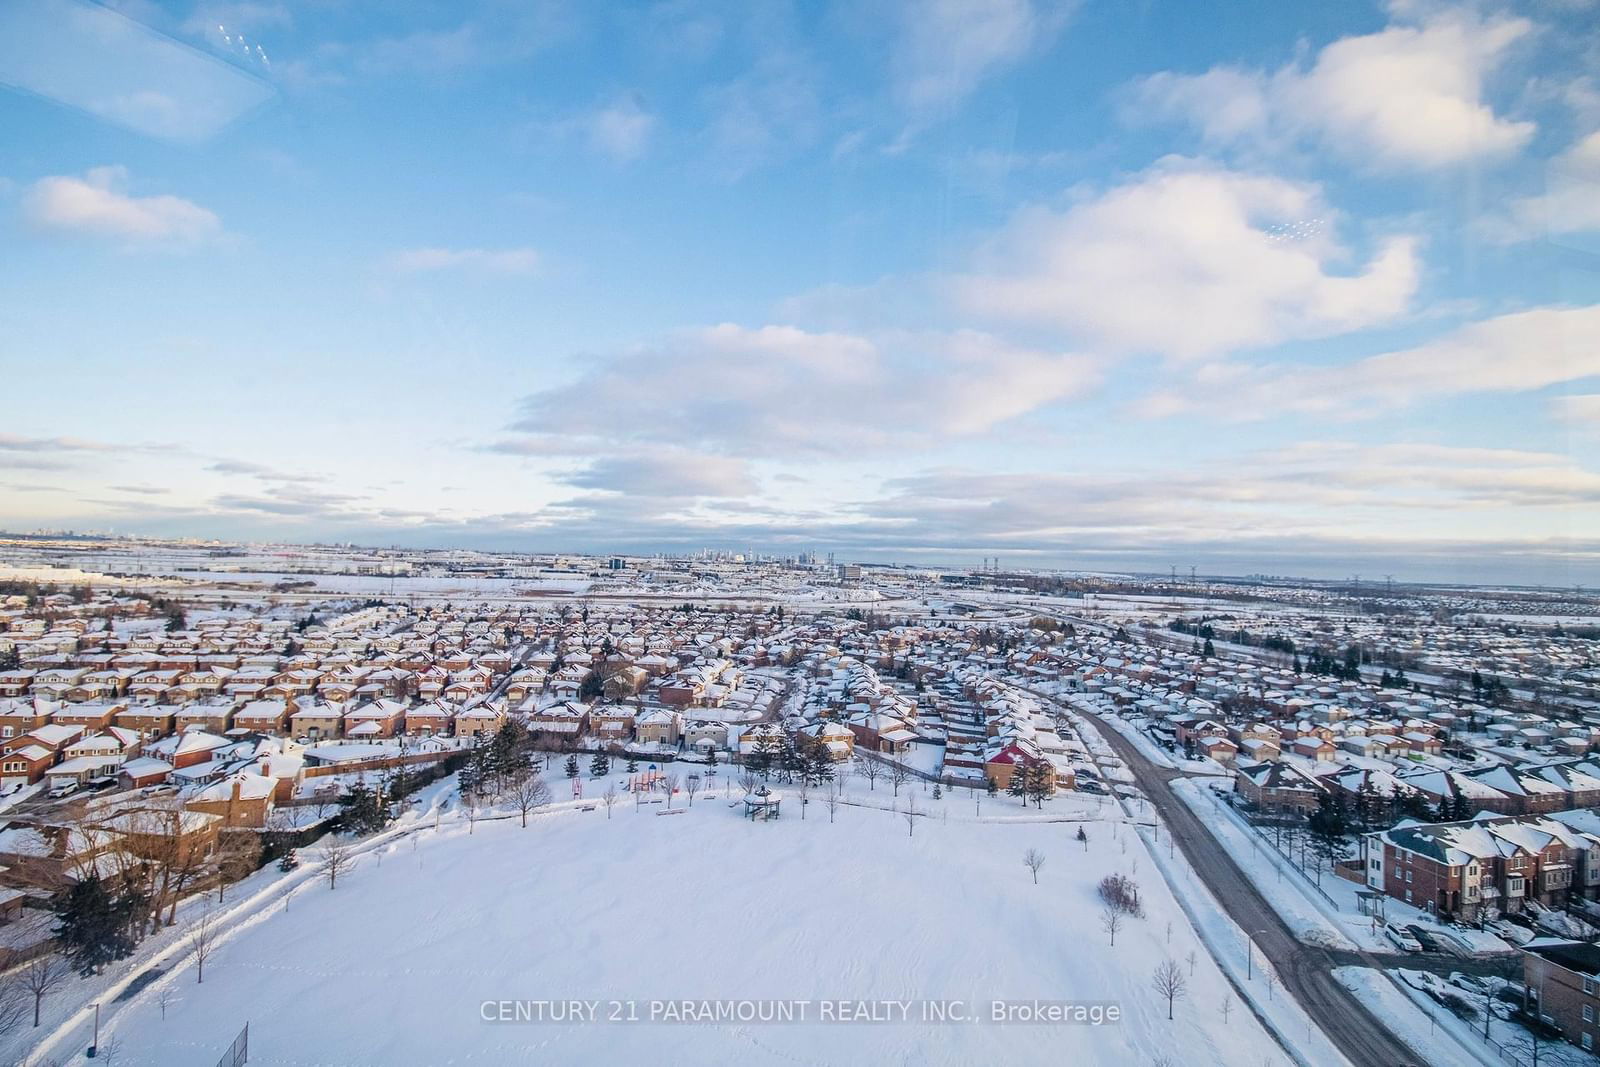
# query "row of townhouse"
(1469, 870)
(1532, 789)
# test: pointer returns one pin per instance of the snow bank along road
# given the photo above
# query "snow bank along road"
(1306, 972)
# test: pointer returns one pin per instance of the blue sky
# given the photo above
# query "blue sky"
(1255, 287)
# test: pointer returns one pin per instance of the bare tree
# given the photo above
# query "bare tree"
(871, 770)
(609, 799)
(42, 976)
(803, 786)
(109, 1050)
(670, 783)
(899, 775)
(1191, 959)
(831, 799)
(842, 775)
(1033, 859)
(237, 854)
(336, 859)
(1227, 1007)
(469, 800)
(13, 1003)
(1170, 982)
(529, 793)
(202, 938)
(748, 782)
(164, 999)
(911, 814)
(1111, 922)
(691, 785)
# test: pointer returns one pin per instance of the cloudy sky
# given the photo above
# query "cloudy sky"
(1272, 287)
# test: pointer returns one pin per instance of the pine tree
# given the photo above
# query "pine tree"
(600, 766)
(992, 787)
(1209, 651)
(936, 793)
(365, 811)
(289, 861)
(1018, 786)
(92, 925)
(1038, 783)
(633, 765)
(571, 766)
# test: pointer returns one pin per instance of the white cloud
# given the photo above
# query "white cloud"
(947, 47)
(492, 261)
(766, 113)
(1410, 96)
(1188, 260)
(781, 391)
(666, 472)
(1581, 408)
(1521, 351)
(1570, 202)
(95, 204)
(621, 130)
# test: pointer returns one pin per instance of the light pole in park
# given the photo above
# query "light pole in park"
(1249, 954)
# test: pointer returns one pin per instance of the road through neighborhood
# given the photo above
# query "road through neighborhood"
(1305, 971)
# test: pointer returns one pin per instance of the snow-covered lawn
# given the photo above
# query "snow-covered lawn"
(1420, 1022)
(394, 965)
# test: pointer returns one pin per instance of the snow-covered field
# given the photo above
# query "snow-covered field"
(394, 965)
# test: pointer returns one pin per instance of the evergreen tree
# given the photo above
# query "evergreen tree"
(1209, 651)
(289, 861)
(571, 766)
(1371, 806)
(711, 753)
(992, 787)
(1018, 786)
(768, 751)
(1038, 783)
(365, 811)
(936, 793)
(819, 764)
(92, 925)
(600, 766)
(633, 765)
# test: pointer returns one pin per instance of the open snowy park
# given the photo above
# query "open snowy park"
(397, 963)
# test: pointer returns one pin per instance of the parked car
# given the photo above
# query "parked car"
(1402, 940)
(65, 789)
(1510, 932)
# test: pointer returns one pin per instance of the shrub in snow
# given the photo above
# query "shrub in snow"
(1121, 893)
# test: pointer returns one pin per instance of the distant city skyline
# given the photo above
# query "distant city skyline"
(1311, 291)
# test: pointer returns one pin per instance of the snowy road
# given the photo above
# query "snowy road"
(1306, 972)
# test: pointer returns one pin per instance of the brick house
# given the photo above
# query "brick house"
(1462, 869)
(1281, 788)
(1566, 975)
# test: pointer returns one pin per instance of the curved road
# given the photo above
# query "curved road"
(1306, 971)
